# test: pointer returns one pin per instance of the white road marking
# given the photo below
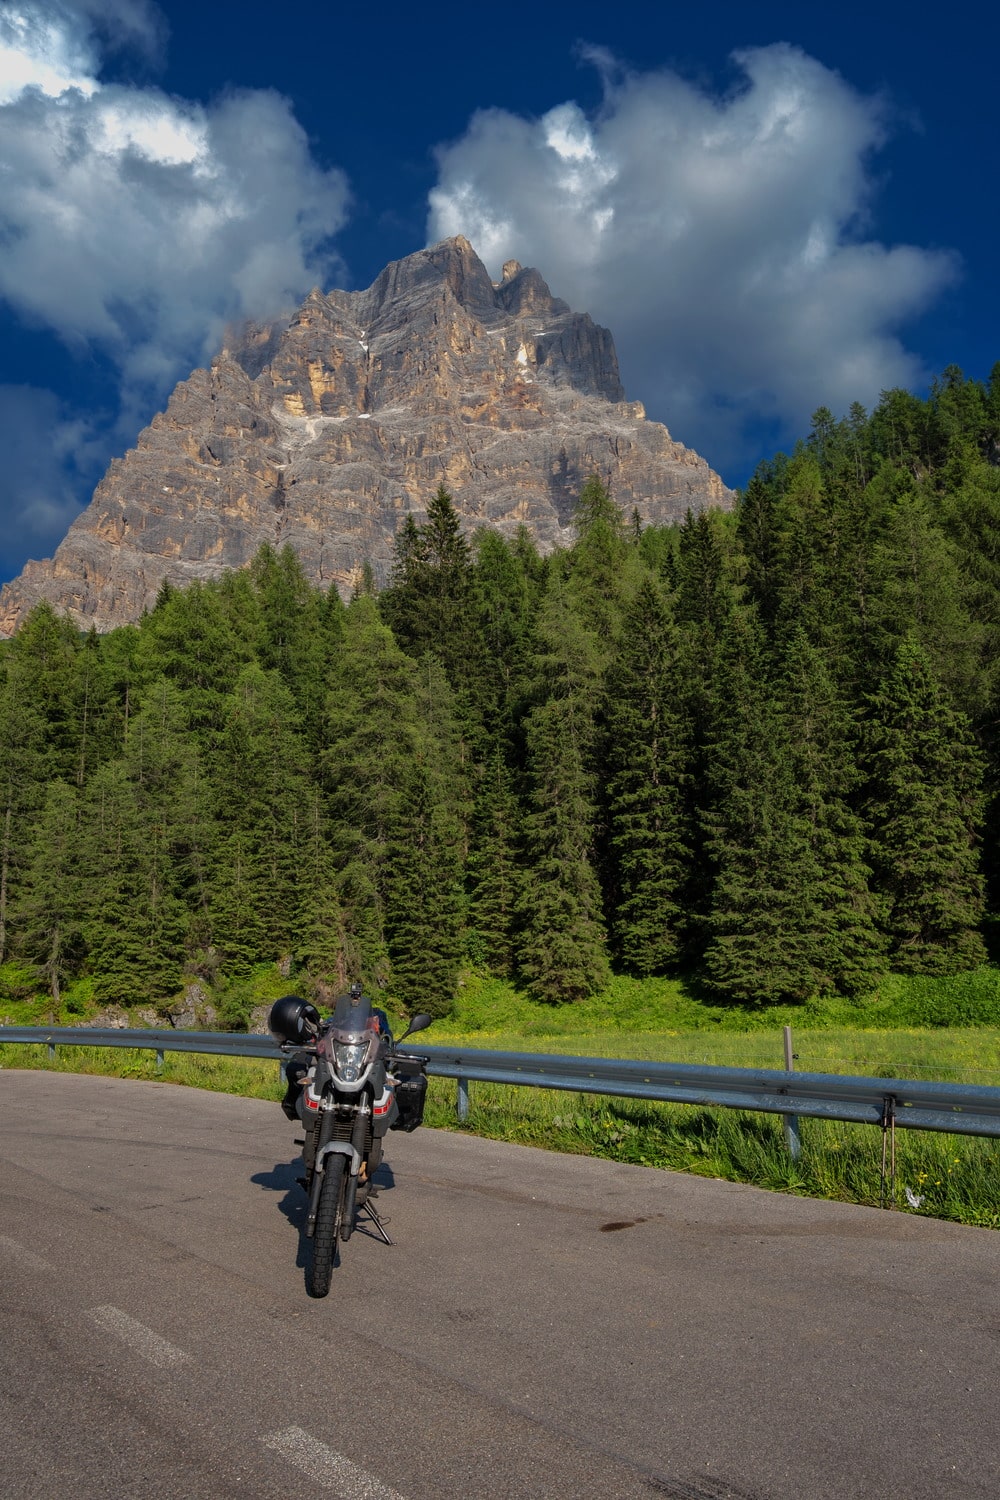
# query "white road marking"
(24, 1255)
(138, 1337)
(328, 1468)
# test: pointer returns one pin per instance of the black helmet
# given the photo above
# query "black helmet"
(293, 1019)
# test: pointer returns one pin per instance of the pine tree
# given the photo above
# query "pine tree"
(366, 581)
(423, 894)
(921, 572)
(97, 708)
(533, 565)
(370, 705)
(648, 764)
(706, 567)
(757, 951)
(971, 519)
(43, 657)
(319, 938)
(240, 606)
(602, 567)
(658, 548)
(595, 507)
(843, 450)
(394, 782)
(961, 416)
(561, 949)
(425, 906)
(859, 628)
(427, 602)
(292, 639)
(122, 679)
(502, 610)
(924, 809)
(26, 766)
(903, 430)
(757, 535)
(408, 556)
(140, 837)
(261, 795)
(791, 915)
(496, 878)
(847, 948)
(190, 639)
(804, 553)
(49, 905)
(237, 911)
(706, 606)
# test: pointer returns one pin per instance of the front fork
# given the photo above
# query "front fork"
(358, 1133)
(325, 1145)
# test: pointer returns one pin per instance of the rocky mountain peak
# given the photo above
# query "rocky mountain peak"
(325, 429)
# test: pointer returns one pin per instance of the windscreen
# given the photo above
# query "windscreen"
(352, 1017)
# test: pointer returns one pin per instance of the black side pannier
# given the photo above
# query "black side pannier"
(411, 1091)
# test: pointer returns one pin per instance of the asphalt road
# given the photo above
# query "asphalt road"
(544, 1326)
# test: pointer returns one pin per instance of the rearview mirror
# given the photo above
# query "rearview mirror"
(417, 1023)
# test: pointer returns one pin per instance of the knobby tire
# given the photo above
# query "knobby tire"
(328, 1216)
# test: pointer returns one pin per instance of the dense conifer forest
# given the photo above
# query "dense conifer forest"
(760, 749)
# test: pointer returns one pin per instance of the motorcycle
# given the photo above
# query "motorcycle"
(348, 1085)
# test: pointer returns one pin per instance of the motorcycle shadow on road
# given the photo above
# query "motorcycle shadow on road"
(284, 1178)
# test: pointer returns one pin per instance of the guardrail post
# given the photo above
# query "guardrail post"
(462, 1100)
(159, 1059)
(52, 1051)
(793, 1140)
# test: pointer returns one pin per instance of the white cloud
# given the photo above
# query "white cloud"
(39, 52)
(56, 47)
(721, 238)
(138, 223)
(141, 221)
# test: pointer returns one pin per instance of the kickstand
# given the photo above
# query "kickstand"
(367, 1208)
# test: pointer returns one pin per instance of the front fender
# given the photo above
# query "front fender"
(342, 1148)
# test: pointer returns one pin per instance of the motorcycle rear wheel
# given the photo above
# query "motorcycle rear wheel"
(329, 1213)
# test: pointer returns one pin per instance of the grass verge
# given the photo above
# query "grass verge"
(953, 1177)
(249, 1077)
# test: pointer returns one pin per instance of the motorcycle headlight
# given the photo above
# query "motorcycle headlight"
(349, 1059)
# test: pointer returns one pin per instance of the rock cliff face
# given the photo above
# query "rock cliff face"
(326, 430)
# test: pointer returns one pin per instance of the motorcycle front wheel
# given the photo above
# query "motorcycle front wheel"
(329, 1213)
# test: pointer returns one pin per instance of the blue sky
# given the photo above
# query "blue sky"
(772, 207)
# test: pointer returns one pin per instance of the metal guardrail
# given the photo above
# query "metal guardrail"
(959, 1108)
(962, 1109)
(224, 1043)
